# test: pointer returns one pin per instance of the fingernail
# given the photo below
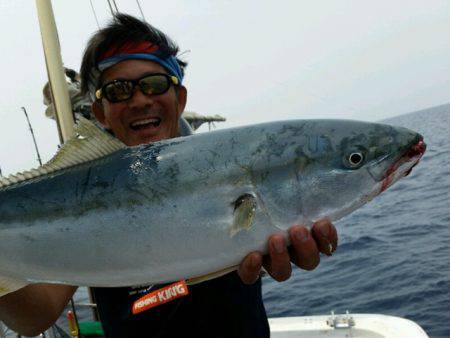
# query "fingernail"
(254, 262)
(330, 249)
(325, 231)
(302, 235)
(278, 246)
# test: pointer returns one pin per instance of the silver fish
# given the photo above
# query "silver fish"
(190, 206)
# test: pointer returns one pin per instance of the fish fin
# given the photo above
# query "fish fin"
(88, 143)
(216, 274)
(8, 285)
(244, 213)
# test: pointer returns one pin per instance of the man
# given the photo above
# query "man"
(131, 71)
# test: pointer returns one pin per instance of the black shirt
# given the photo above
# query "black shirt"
(222, 307)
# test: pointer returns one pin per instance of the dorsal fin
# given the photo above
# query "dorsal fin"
(88, 143)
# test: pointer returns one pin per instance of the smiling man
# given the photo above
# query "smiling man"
(135, 80)
(154, 110)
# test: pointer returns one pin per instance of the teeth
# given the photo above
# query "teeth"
(146, 121)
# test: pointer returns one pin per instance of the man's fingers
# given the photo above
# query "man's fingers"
(250, 267)
(303, 250)
(326, 236)
(278, 263)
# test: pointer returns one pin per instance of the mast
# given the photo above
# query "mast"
(55, 70)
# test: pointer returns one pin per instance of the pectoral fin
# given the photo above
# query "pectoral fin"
(244, 213)
(8, 285)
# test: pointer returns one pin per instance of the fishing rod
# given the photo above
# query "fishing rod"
(32, 134)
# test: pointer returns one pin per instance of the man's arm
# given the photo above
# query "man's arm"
(34, 308)
(303, 252)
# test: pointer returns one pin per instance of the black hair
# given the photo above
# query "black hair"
(122, 29)
(71, 74)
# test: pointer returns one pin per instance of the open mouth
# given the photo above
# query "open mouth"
(415, 153)
(152, 122)
(404, 165)
(417, 150)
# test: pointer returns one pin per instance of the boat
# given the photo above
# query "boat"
(320, 326)
(63, 106)
(345, 326)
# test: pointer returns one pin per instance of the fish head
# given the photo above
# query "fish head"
(378, 155)
(336, 166)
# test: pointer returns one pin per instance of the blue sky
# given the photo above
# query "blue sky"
(250, 61)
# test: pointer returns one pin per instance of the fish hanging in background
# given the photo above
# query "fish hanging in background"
(103, 214)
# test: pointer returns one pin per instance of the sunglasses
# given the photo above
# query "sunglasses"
(122, 90)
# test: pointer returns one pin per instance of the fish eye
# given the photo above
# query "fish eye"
(355, 159)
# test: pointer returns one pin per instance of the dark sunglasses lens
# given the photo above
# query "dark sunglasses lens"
(154, 84)
(118, 90)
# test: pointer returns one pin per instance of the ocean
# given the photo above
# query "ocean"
(393, 256)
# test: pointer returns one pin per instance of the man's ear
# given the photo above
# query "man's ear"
(99, 113)
(182, 98)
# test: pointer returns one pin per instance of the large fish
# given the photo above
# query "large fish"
(102, 214)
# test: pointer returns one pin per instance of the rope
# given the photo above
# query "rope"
(115, 6)
(114, 9)
(140, 10)
(110, 8)
(95, 15)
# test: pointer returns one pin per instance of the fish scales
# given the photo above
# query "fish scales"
(165, 211)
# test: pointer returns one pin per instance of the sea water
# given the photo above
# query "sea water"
(393, 256)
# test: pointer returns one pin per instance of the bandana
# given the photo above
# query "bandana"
(143, 51)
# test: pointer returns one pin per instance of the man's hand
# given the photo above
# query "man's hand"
(303, 252)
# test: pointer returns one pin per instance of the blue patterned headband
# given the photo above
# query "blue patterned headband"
(142, 51)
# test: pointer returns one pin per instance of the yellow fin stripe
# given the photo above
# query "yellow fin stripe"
(216, 274)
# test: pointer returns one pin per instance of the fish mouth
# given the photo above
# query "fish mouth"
(404, 165)
(417, 150)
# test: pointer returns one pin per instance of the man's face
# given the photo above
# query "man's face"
(142, 118)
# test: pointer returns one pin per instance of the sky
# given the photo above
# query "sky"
(249, 61)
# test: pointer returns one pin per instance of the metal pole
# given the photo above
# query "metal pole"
(34, 139)
(55, 70)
